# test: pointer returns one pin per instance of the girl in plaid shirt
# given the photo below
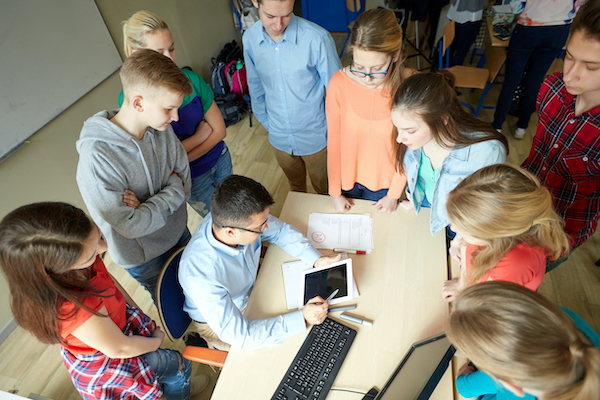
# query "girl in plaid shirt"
(62, 293)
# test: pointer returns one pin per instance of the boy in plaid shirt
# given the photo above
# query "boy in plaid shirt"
(565, 155)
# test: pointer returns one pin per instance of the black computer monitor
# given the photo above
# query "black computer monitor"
(420, 371)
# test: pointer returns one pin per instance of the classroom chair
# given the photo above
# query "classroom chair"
(169, 301)
(471, 77)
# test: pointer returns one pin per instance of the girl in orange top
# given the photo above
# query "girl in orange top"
(508, 227)
(360, 154)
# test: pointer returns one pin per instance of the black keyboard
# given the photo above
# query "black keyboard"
(317, 363)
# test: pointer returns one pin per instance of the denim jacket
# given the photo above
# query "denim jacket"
(460, 163)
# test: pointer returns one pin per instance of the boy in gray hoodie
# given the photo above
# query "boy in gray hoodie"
(133, 173)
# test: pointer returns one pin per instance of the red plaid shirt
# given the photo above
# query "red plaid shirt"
(565, 156)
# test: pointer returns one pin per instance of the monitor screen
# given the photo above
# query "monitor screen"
(420, 371)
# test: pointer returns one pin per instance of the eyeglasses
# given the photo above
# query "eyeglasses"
(261, 227)
(374, 75)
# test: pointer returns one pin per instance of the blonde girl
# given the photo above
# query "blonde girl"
(438, 144)
(523, 345)
(200, 127)
(508, 226)
(359, 153)
(61, 292)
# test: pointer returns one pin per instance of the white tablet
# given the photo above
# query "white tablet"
(323, 281)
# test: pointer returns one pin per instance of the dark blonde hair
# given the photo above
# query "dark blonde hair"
(519, 336)
(39, 243)
(505, 205)
(147, 71)
(587, 20)
(137, 26)
(432, 97)
(378, 30)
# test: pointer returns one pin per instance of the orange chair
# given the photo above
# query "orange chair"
(169, 301)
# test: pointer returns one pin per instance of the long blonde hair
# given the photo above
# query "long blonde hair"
(505, 205)
(519, 336)
(378, 30)
(137, 26)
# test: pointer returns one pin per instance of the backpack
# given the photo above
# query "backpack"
(218, 78)
(230, 108)
(231, 51)
(229, 83)
(236, 78)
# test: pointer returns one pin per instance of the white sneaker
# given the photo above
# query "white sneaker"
(519, 133)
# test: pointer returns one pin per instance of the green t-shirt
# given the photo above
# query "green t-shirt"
(427, 177)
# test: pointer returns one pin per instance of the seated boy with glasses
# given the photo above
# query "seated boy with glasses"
(218, 268)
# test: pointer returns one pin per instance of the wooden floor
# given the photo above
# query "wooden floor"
(27, 366)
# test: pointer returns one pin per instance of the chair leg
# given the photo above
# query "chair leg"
(480, 105)
(470, 107)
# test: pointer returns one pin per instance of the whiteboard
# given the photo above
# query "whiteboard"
(52, 52)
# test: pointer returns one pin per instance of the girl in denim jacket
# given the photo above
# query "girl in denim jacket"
(438, 144)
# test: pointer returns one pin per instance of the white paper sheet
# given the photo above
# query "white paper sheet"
(341, 231)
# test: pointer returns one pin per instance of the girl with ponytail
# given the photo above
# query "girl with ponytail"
(438, 144)
(508, 226)
(523, 346)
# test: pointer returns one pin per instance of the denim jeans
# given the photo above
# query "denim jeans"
(361, 192)
(175, 382)
(465, 35)
(204, 185)
(534, 47)
(147, 273)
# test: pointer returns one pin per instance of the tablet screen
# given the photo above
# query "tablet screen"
(323, 283)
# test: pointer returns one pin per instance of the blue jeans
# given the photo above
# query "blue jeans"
(175, 382)
(361, 192)
(204, 185)
(147, 273)
(534, 47)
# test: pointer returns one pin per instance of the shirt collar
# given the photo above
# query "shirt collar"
(569, 101)
(290, 34)
(216, 244)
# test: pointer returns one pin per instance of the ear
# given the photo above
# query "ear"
(230, 232)
(138, 103)
(517, 390)
(255, 2)
(445, 118)
(397, 55)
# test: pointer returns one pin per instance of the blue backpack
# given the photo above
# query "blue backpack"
(218, 78)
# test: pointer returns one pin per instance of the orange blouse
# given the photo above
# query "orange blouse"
(359, 138)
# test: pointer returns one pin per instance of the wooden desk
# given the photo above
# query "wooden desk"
(495, 42)
(400, 285)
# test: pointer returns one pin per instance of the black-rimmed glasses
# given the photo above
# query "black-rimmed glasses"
(248, 230)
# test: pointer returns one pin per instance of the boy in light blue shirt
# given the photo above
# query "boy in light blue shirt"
(289, 61)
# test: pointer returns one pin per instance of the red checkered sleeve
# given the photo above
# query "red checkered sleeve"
(565, 156)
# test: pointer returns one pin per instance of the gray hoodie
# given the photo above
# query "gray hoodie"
(110, 161)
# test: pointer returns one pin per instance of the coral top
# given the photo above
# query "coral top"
(523, 265)
(359, 138)
(110, 297)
